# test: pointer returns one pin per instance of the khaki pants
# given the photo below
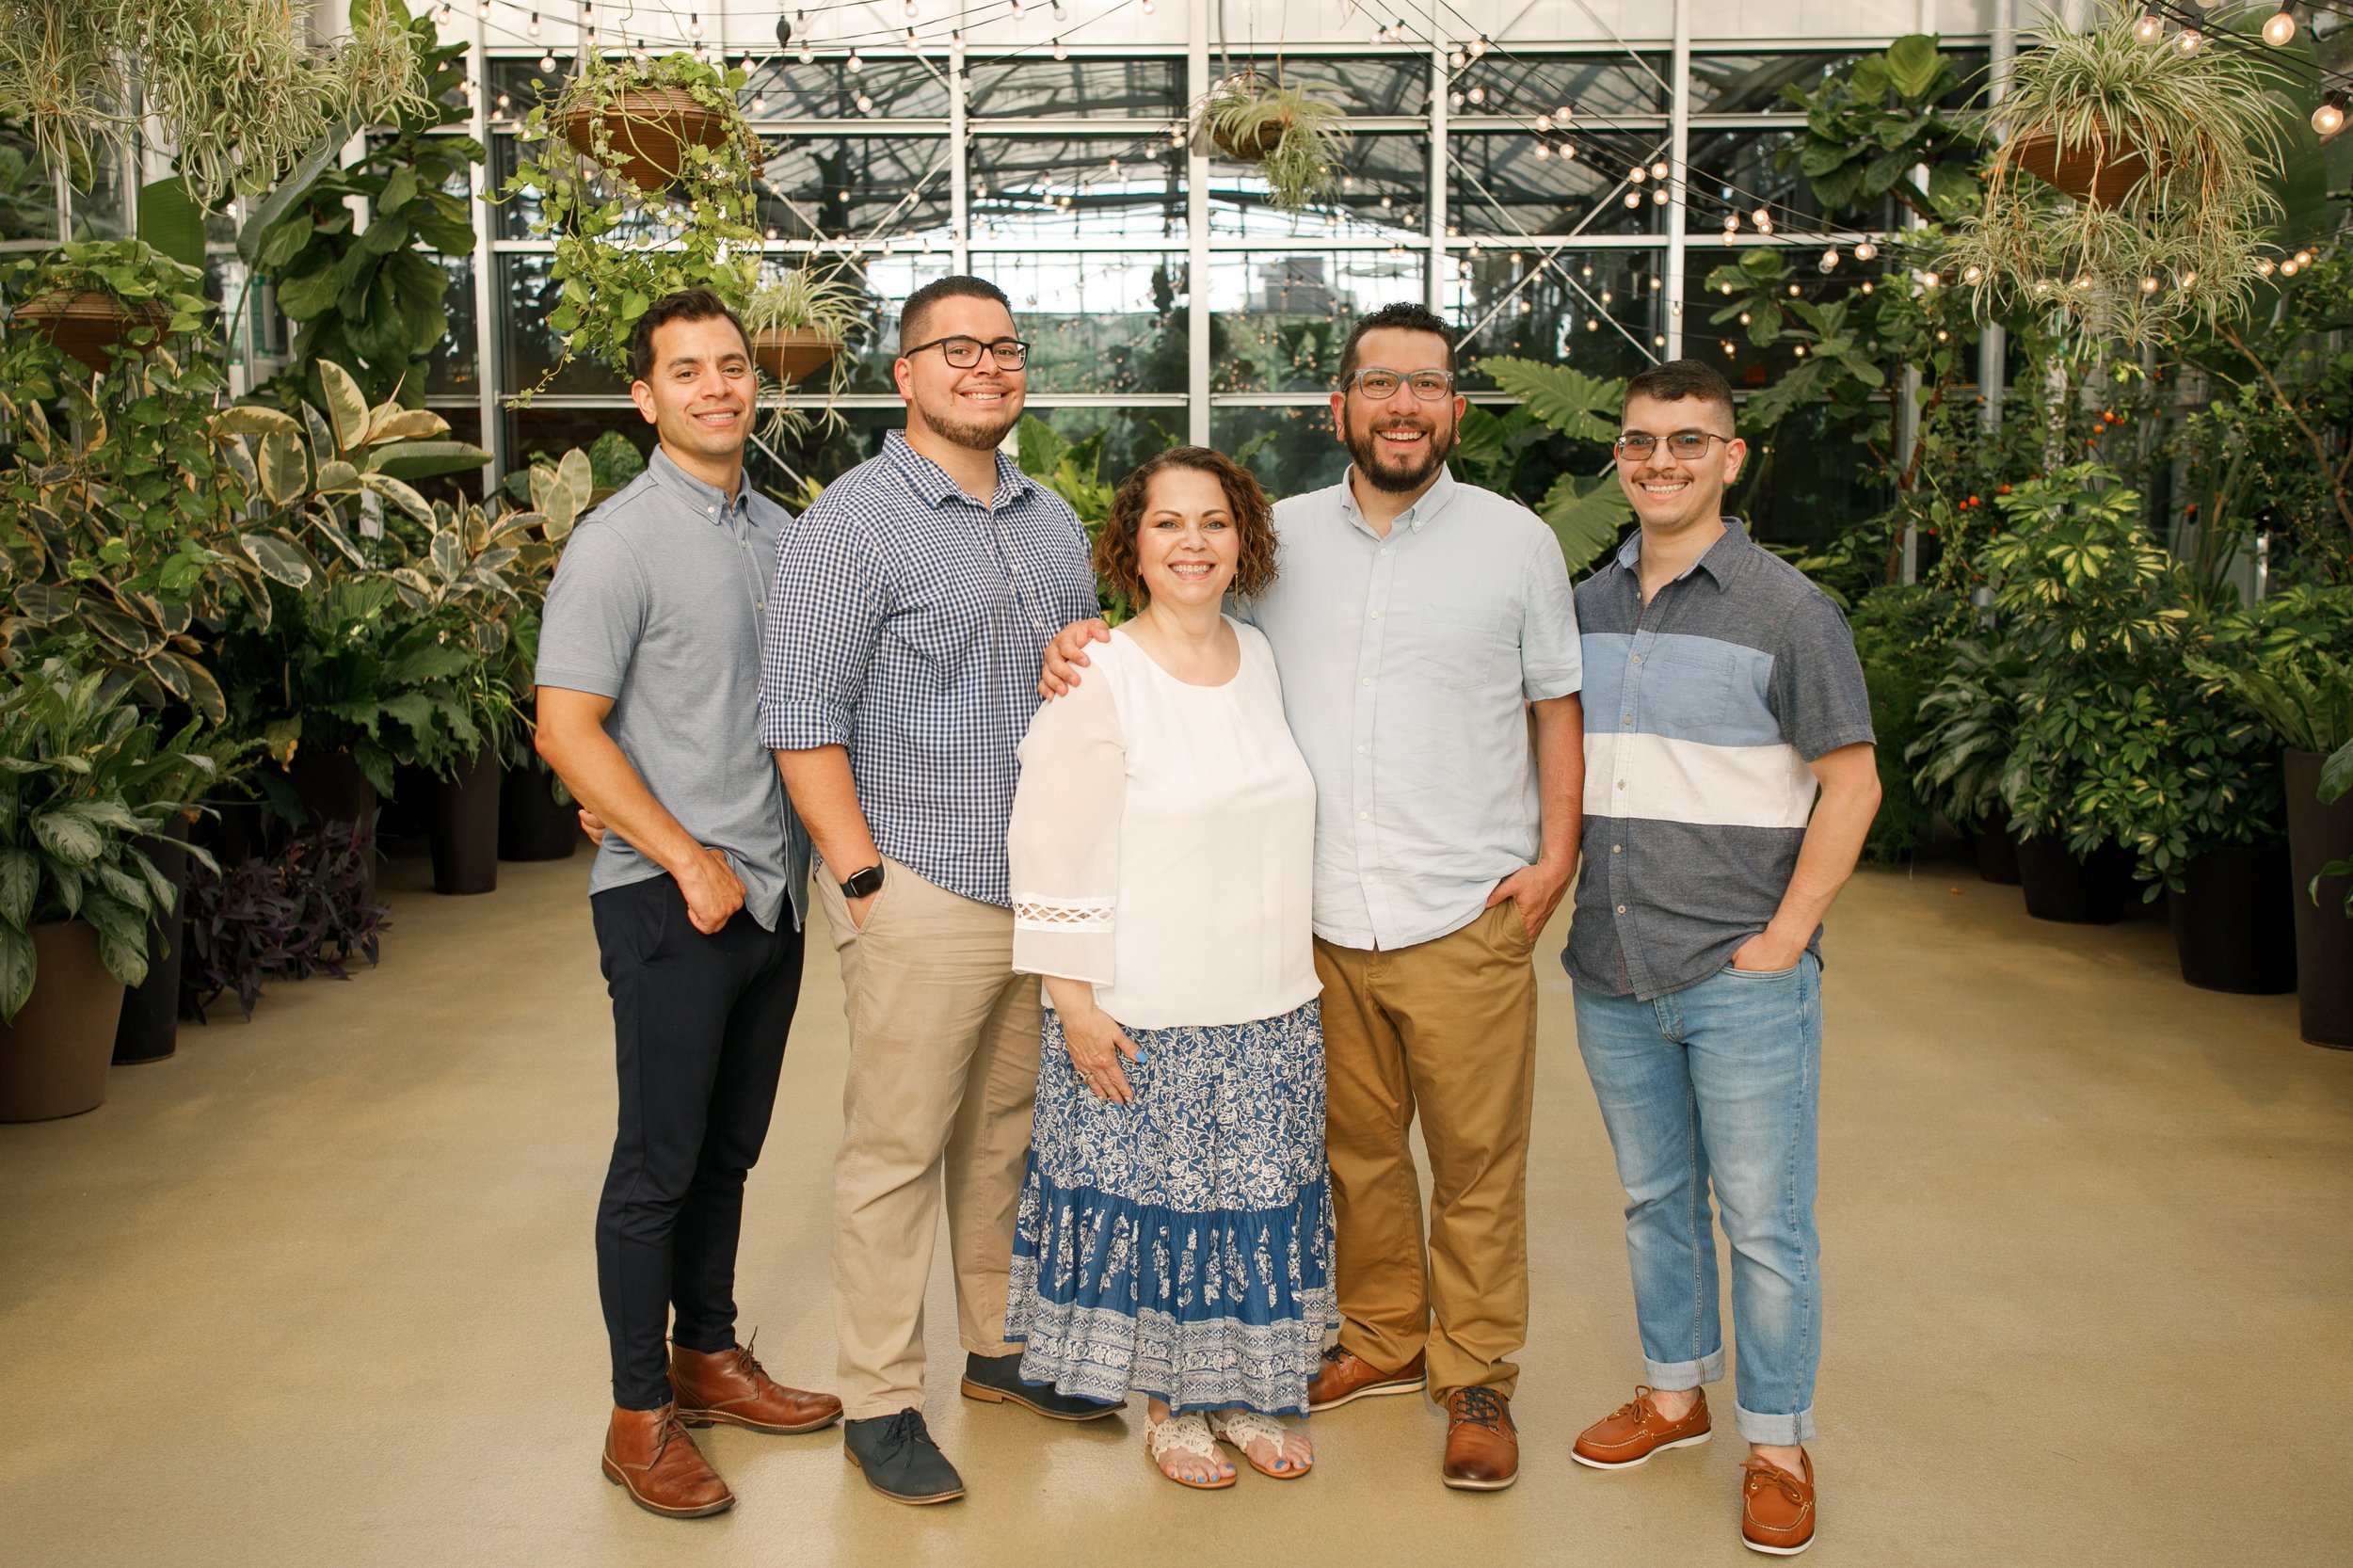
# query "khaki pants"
(1447, 1026)
(942, 1075)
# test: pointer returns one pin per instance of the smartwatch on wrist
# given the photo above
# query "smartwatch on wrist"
(866, 884)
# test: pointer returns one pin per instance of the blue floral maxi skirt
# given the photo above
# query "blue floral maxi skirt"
(1180, 1246)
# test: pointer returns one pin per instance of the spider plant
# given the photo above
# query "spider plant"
(1294, 136)
(2198, 131)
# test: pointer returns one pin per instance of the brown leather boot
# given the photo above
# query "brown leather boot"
(1482, 1447)
(1346, 1376)
(648, 1454)
(729, 1386)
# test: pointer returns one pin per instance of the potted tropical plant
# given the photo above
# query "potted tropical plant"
(1968, 725)
(1294, 137)
(605, 283)
(2162, 155)
(536, 816)
(94, 297)
(800, 320)
(86, 779)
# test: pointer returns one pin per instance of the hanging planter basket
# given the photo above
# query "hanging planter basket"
(87, 323)
(649, 129)
(1250, 145)
(2092, 171)
(788, 354)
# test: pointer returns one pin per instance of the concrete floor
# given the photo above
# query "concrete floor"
(319, 1290)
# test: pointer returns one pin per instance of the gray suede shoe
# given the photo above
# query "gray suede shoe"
(996, 1378)
(900, 1460)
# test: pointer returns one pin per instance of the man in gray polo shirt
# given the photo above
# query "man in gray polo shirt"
(1420, 624)
(1722, 689)
(648, 689)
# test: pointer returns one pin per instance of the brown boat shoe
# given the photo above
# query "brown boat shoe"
(649, 1455)
(1776, 1508)
(1629, 1434)
(729, 1386)
(1482, 1447)
(1349, 1376)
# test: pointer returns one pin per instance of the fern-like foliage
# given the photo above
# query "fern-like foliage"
(1581, 407)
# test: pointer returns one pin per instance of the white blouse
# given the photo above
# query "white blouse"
(1162, 842)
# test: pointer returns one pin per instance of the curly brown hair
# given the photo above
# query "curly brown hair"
(1116, 564)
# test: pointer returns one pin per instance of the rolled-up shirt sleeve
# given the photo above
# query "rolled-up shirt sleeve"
(1817, 690)
(595, 615)
(1552, 659)
(824, 614)
(1063, 843)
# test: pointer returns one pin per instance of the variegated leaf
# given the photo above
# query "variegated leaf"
(345, 405)
(277, 559)
(285, 473)
(400, 494)
(391, 423)
(338, 477)
(449, 556)
(254, 420)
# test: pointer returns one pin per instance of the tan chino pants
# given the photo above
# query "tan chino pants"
(942, 1076)
(1446, 1028)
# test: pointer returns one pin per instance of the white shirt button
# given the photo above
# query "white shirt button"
(1637, 658)
(1384, 550)
(1368, 680)
(1360, 751)
(1364, 816)
(1615, 848)
(1621, 783)
(1621, 908)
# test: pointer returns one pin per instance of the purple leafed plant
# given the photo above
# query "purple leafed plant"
(300, 911)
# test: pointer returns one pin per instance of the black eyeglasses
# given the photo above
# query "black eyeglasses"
(1686, 444)
(1381, 385)
(963, 353)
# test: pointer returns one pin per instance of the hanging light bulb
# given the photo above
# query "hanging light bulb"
(2303, 258)
(1658, 170)
(1761, 217)
(1543, 151)
(533, 28)
(1479, 95)
(1830, 259)
(1732, 221)
(1866, 250)
(2265, 266)
(1061, 53)
(1457, 60)
(2189, 41)
(1929, 280)
(2287, 268)
(911, 8)
(1478, 46)
(808, 56)
(1544, 122)
(760, 103)
(2148, 29)
(1562, 115)
(1149, 6)
(1058, 12)
(865, 105)
(1971, 274)
(1867, 285)
(2279, 31)
(1658, 196)
(694, 25)
(1727, 348)
(2149, 285)
(483, 10)
(854, 63)
(1636, 175)
(1633, 199)
(440, 17)
(2188, 278)
(546, 62)
(2330, 117)
(1454, 98)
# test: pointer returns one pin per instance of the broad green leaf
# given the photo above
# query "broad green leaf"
(1579, 405)
(170, 221)
(20, 882)
(204, 692)
(277, 559)
(306, 296)
(392, 423)
(345, 405)
(2336, 774)
(400, 494)
(18, 964)
(399, 190)
(427, 459)
(579, 477)
(44, 604)
(449, 556)
(285, 473)
(248, 418)
(283, 244)
(1585, 515)
(68, 836)
(1912, 64)
(121, 936)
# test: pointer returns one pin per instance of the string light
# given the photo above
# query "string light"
(1479, 95)
(760, 103)
(2148, 29)
(2149, 285)
(1544, 122)
(546, 62)
(1830, 259)
(1658, 171)
(1478, 46)
(1149, 6)
(1971, 274)
(2279, 31)
(440, 17)
(2330, 117)
(1457, 60)
(694, 25)
(1659, 194)
(1633, 199)
(1636, 175)
(1867, 285)
(808, 56)
(2287, 268)
(483, 10)
(1562, 115)
(533, 28)
(1543, 151)
(1866, 250)
(1060, 51)
(2189, 41)
(854, 63)
(2303, 258)
(865, 105)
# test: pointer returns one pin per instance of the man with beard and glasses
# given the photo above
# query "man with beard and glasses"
(912, 604)
(1426, 643)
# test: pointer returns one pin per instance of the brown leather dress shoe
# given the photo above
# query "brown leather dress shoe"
(1348, 1376)
(648, 1454)
(1776, 1508)
(1629, 1434)
(1482, 1447)
(730, 1387)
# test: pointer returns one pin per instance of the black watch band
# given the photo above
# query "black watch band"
(865, 884)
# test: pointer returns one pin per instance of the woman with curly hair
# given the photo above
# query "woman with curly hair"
(1175, 1229)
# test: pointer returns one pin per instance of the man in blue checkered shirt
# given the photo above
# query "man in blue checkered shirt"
(912, 604)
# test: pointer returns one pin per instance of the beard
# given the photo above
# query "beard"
(974, 435)
(1377, 463)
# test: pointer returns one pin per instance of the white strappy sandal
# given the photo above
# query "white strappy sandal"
(1186, 1435)
(1242, 1428)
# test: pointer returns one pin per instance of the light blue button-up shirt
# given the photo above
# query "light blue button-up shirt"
(1405, 661)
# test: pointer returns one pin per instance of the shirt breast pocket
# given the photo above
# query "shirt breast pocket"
(1687, 688)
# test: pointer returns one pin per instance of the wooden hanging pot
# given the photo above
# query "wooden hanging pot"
(1253, 146)
(2092, 171)
(794, 353)
(87, 324)
(650, 130)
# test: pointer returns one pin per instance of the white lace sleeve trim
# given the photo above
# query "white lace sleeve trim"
(1061, 914)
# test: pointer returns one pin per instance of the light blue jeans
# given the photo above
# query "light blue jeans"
(1720, 1084)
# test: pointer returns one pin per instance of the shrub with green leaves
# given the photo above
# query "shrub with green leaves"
(83, 777)
(1585, 511)
(1868, 131)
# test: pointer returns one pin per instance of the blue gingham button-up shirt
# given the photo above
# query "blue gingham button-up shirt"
(908, 624)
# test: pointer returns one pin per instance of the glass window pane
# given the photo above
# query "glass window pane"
(1752, 84)
(1130, 435)
(1596, 311)
(1039, 189)
(1277, 320)
(1291, 450)
(530, 347)
(1095, 322)
(102, 212)
(887, 282)
(1527, 85)
(28, 196)
(1068, 89)
(1382, 84)
(1734, 172)
(1519, 183)
(1383, 193)
(898, 88)
(858, 187)
(1725, 344)
(452, 370)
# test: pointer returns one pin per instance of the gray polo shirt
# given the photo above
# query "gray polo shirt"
(1405, 663)
(1702, 710)
(659, 603)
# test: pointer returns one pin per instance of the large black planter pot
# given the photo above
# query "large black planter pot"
(2062, 887)
(2235, 920)
(2318, 835)
(532, 826)
(1996, 853)
(148, 1030)
(464, 819)
(333, 790)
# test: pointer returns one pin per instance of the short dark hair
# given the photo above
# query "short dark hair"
(685, 305)
(1403, 316)
(955, 286)
(1679, 380)
(1253, 520)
